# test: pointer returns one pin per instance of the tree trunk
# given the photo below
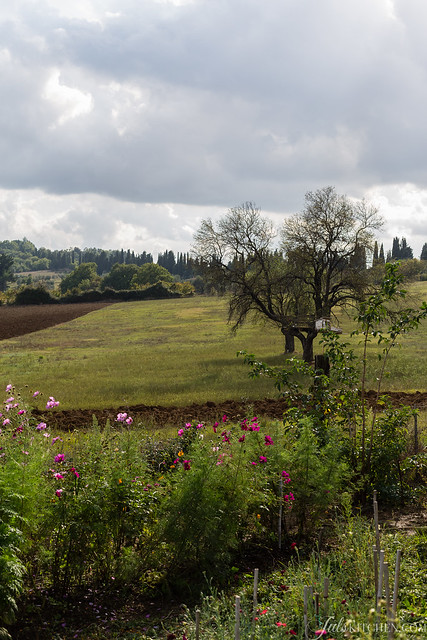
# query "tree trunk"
(307, 343)
(289, 341)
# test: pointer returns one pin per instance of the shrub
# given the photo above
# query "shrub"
(34, 295)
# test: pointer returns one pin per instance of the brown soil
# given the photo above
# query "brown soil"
(19, 320)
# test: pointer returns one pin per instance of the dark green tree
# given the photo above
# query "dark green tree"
(120, 276)
(6, 270)
(84, 276)
(150, 273)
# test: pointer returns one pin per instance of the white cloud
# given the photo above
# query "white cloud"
(70, 102)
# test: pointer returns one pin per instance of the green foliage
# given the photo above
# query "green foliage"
(319, 474)
(84, 276)
(6, 272)
(34, 295)
(149, 274)
(12, 569)
(120, 276)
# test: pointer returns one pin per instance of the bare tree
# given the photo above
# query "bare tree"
(237, 254)
(325, 249)
(320, 265)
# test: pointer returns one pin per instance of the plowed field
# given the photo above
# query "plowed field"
(17, 321)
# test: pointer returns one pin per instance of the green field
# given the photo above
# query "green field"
(170, 352)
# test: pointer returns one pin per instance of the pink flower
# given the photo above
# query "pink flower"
(224, 418)
(200, 425)
(58, 476)
(6, 421)
(268, 440)
(320, 632)
(60, 457)
(121, 417)
(181, 433)
(262, 459)
(35, 394)
(187, 425)
(9, 388)
(55, 439)
(129, 420)
(51, 403)
(21, 412)
(41, 426)
(59, 492)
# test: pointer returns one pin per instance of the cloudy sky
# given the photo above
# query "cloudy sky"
(124, 123)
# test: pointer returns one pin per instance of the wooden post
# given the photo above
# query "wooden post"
(375, 557)
(387, 596)
(255, 601)
(415, 433)
(237, 619)
(317, 608)
(395, 589)
(325, 597)
(197, 624)
(380, 582)
(306, 591)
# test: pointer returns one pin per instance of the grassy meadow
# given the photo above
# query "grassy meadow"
(173, 352)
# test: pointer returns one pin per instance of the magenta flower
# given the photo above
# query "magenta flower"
(224, 418)
(187, 425)
(187, 465)
(21, 412)
(60, 457)
(286, 477)
(51, 403)
(181, 433)
(200, 425)
(59, 492)
(262, 459)
(215, 426)
(242, 438)
(58, 476)
(268, 440)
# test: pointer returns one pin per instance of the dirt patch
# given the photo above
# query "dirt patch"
(20, 320)
(209, 412)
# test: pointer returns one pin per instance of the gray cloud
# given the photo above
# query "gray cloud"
(109, 110)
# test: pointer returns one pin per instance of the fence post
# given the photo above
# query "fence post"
(237, 619)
